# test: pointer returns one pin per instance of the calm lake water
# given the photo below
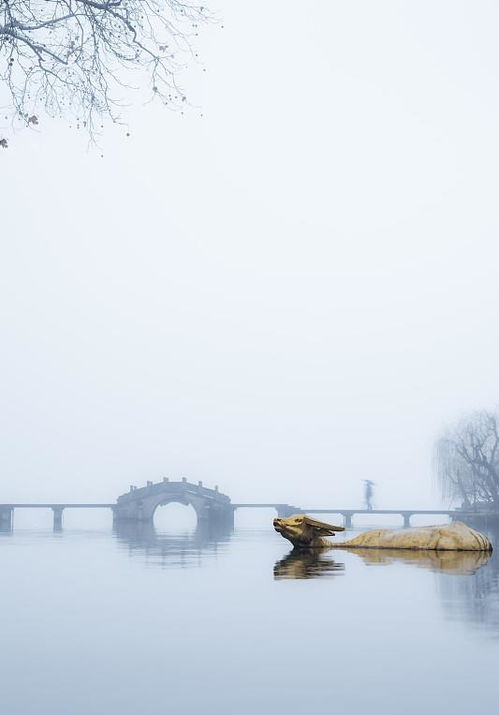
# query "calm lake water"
(147, 623)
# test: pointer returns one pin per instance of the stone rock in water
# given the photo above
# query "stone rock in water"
(455, 536)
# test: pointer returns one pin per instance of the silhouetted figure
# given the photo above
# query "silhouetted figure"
(368, 491)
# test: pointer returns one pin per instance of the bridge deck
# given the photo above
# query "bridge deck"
(383, 511)
(353, 511)
(274, 505)
(259, 506)
(64, 505)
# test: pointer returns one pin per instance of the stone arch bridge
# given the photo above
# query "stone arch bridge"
(140, 503)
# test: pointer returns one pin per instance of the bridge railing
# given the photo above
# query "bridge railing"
(182, 486)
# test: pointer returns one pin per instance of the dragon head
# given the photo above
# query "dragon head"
(304, 532)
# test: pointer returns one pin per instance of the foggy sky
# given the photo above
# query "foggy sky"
(287, 295)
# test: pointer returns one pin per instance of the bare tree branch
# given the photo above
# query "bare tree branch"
(81, 57)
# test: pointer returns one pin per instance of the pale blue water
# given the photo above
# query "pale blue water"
(92, 623)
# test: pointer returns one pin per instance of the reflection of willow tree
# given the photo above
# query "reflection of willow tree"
(475, 597)
(80, 56)
(467, 461)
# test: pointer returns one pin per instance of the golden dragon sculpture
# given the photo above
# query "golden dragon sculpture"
(307, 533)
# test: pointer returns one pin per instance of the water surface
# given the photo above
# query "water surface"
(142, 623)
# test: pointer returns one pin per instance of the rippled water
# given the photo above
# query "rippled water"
(143, 623)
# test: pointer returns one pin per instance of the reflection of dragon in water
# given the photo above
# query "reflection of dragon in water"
(452, 562)
(307, 563)
(312, 563)
(451, 549)
(304, 532)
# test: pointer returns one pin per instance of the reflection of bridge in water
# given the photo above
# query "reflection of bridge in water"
(170, 550)
(212, 507)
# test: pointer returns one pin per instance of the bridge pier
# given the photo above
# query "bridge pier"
(214, 515)
(6, 519)
(225, 518)
(57, 517)
(347, 519)
(203, 513)
(407, 519)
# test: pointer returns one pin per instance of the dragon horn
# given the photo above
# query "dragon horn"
(322, 524)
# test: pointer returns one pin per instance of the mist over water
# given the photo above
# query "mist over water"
(175, 619)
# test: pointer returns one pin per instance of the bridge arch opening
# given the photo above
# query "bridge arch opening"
(175, 518)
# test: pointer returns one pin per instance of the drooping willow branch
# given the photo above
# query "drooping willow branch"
(83, 56)
(467, 460)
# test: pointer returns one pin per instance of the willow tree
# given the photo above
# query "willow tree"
(82, 57)
(467, 460)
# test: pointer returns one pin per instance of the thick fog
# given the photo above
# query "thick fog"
(287, 290)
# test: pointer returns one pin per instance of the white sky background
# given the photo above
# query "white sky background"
(284, 297)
